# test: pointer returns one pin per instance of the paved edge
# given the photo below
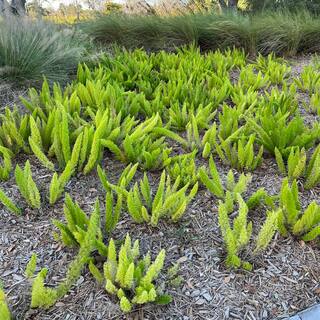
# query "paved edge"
(312, 313)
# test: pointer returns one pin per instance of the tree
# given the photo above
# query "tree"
(111, 7)
(35, 8)
(209, 4)
(15, 7)
(95, 5)
(138, 7)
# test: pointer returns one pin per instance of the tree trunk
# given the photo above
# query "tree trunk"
(18, 7)
(222, 4)
(233, 4)
(15, 7)
(4, 7)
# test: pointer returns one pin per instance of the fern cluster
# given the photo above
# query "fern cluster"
(114, 207)
(309, 80)
(132, 279)
(299, 166)
(27, 186)
(5, 313)
(214, 183)
(275, 69)
(8, 203)
(183, 166)
(313, 106)
(249, 78)
(141, 146)
(304, 224)
(6, 166)
(45, 297)
(74, 231)
(169, 200)
(276, 130)
(241, 154)
(237, 235)
(14, 130)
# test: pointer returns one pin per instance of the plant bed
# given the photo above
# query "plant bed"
(282, 278)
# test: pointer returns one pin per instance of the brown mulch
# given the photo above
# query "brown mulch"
(285, 278)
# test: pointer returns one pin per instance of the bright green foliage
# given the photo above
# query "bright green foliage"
(7, 202)
(267, 230)
(179, 117)
(45, 297)
(58, 182)
(238, 234)
(27, 186)
(260, 197)
(312, 171)
(277, 131)
(193, 141)
(240, 155)
(107, 130)
(283, 100)
(298, 166)
(236, 237)
(74, 232)
(14, 130)
(183, 166)
(42, 296)
(248, 78)
(244, 100)
(228, 123)
(6, 166)
(141, 146)
(130, 278)
(95, 272)
(124, 180)
(275, 69)
(61, 137)
(289, 202)
(31, 266)
(214, 184)
(309, 80)
(113, 207)
(35, 142)
(4, 309)
(169, 200)
(193, 137)
(313, 106)
(296, 163)
(113, 211)
(304, 224)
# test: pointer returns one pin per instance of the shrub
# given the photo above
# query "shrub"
(281, 132)
(132, 280)
(27, 186)
(30, 50)
(7, 202)
(238, 234)
(74, 232)
(280, 32)
(45, 297)
(298, 166)
(169, 200)
(4, 309)
(214, 184)
(303, 224)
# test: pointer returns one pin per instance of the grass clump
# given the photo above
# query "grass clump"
(282, 32)
(30, 50)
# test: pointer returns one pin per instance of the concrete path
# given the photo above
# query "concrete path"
(312, 313)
